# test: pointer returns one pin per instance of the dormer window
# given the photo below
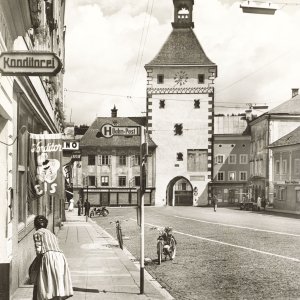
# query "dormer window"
(162, 103)
(160, 78)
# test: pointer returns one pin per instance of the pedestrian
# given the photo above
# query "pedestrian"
(87, 206)
(71, 205)
(258, 203)
(215, 202)
(53, 278)
(79, 204)
(263, 203)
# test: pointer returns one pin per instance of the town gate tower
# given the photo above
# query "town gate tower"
(180, 104)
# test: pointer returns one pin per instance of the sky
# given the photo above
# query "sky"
(109, 42)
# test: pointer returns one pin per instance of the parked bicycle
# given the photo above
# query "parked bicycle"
(100, 211)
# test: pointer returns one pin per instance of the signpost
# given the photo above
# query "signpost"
(29, 63)
(107, 131)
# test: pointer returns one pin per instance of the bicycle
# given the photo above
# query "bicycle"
(163, 248)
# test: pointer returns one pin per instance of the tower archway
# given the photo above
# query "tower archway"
(179, 192)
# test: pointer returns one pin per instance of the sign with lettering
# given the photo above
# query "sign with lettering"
(108, 130)
(29, 63)
(71, 145)
(45, 165)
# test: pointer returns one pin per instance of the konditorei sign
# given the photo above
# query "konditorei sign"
(29, 63)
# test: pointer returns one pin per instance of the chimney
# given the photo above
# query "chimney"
(248, 114)
(114, 112)
(295, 92)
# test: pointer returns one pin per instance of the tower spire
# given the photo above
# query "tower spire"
(183, 14)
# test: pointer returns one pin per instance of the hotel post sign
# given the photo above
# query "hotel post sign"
(29, 63)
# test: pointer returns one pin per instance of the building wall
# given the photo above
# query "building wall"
(231, 154)
(286, 177)
(29, 101)
(196, 124)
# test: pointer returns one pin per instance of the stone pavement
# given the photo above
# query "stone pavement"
(99, 268)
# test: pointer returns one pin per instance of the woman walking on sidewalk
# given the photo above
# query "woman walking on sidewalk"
(54, 278)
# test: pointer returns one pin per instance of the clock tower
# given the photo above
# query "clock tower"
(180, 103)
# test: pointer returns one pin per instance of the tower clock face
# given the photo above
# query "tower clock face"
(181, 77)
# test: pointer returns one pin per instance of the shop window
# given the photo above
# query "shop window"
(178, 129)
(91, 160)
(162, 103)
(160, 78)
(104, 181)
(197, 103)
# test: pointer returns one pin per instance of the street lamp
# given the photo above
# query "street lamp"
(258, 7)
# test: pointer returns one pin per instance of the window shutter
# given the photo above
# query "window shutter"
(131, 161)
(99, 160)
(109, 160)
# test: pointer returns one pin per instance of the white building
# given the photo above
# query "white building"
(180, 100)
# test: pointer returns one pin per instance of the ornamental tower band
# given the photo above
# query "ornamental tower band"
(180, 102)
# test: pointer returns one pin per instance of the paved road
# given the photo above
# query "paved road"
(230, 254)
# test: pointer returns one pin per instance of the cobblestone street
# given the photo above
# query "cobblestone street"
(230, 254)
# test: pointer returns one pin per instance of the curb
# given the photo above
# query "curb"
(147, 275)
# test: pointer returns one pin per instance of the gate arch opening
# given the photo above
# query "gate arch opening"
(179, 192)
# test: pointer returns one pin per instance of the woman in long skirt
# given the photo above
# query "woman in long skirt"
(54, 278)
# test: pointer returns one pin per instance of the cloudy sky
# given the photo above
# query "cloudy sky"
(109, 42)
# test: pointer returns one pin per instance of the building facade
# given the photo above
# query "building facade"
(231, 159)
(265, 130)
(108, 173)
(180, 100)
(286, 172)
(27, 104)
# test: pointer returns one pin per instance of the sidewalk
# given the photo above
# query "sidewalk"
(99, 268)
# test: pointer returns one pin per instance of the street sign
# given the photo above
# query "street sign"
(29, 63)
(108, 130)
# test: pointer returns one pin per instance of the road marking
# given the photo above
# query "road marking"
(228, 244)
(241, 227)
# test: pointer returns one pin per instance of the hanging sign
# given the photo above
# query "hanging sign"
(29, 63)
(108, 130)
(45, 164)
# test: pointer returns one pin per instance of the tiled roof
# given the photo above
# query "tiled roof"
(289, 107)
(181, 48)
(291, 138)
(90, 140)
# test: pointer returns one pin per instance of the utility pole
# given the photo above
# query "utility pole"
(143, 184)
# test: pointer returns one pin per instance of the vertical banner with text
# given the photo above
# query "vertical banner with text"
(45, 156)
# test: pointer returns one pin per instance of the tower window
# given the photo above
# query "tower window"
(201, 78)
(162, 103)
(183, 13)
(197, 103)
(160, 78)
(179, 156)
(178, 129)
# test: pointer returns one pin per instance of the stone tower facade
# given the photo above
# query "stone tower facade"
(180, 103)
